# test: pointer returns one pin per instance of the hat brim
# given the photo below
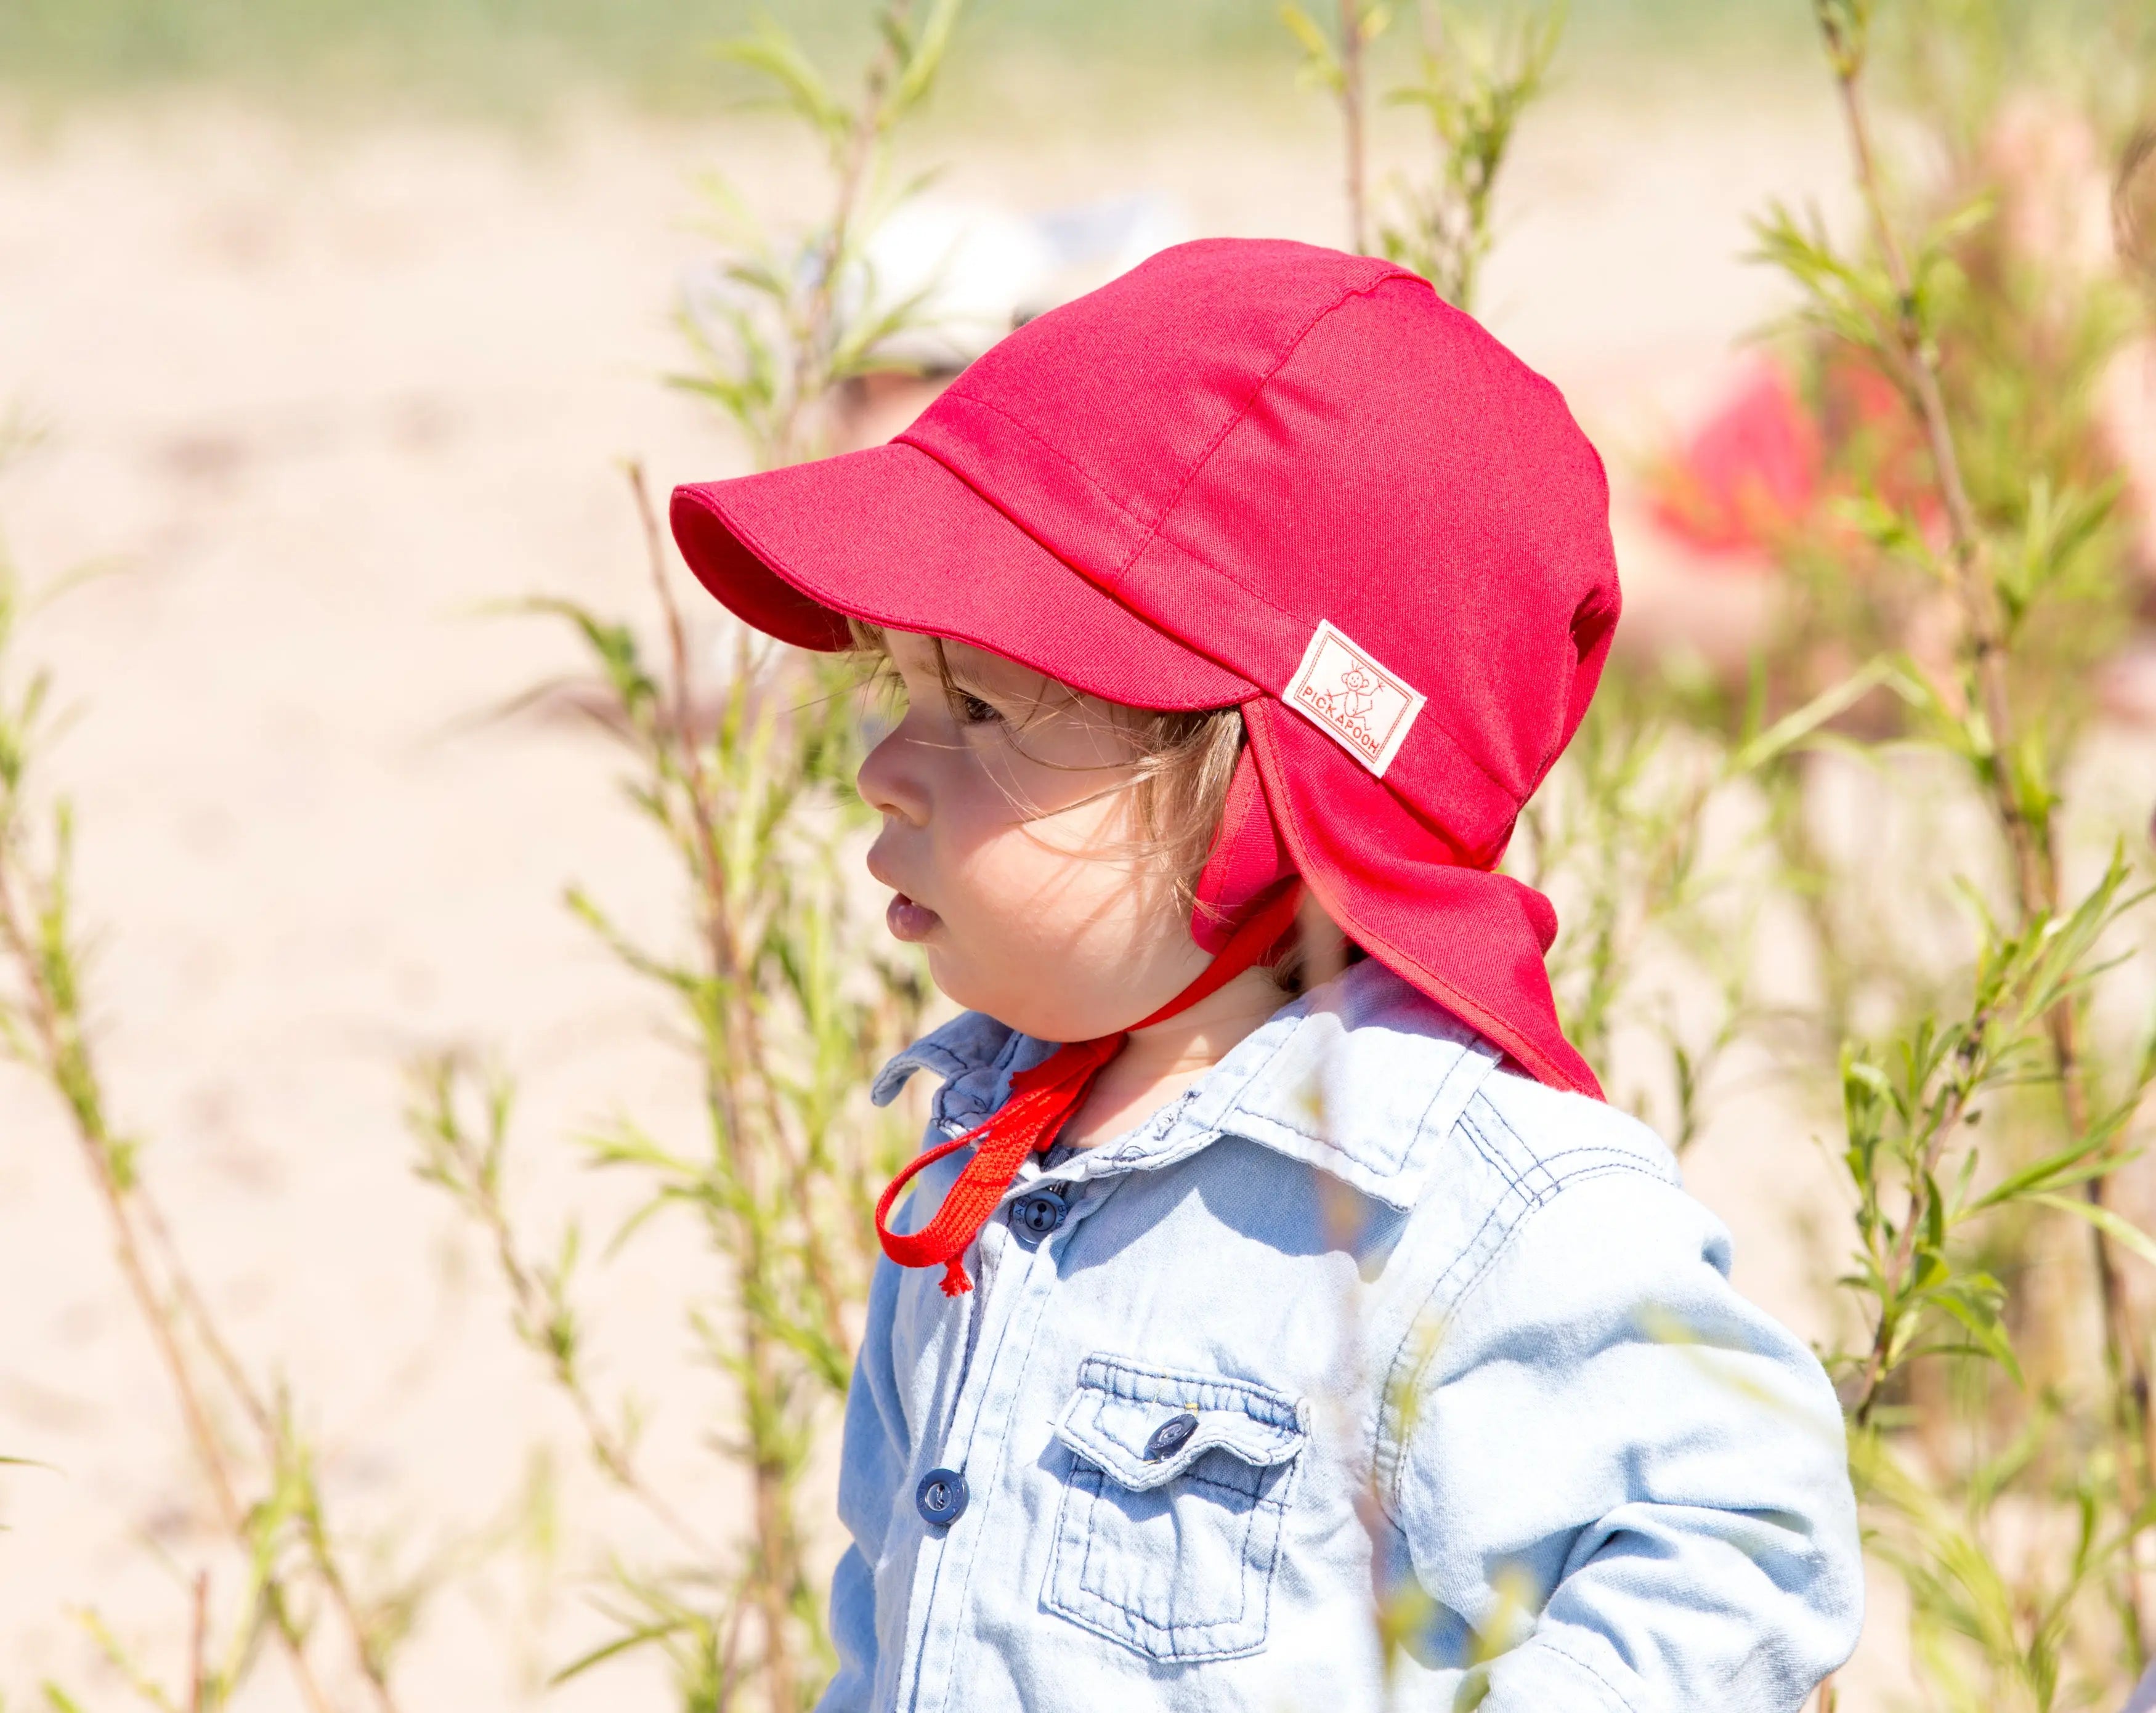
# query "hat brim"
(891, 536)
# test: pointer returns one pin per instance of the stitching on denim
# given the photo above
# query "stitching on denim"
(932, 1056)
(1146, 1147)
(1092, 1482)
(1554, 1166)
(1556, 1645)
(1231, 1102)
(1267, 1511)
(1459, 1067)
(994, 1067)
(1484, 1146)
(1575, 1163)
(1332, 1145)
(1148, 1635)
(1282, 1488)
(1325, 1145)
(1388, 1452)
(1255, 1496)
(1086, 1619)
(1003, 1440)
(1271, 1512)
(1610, 1170)
(928, 1054)
(1390, 1166)
(1171, 1626)
(969, 1551)
(1396, 1461)
(1240, 1390)
(1537, 1163)
(1100, 1446)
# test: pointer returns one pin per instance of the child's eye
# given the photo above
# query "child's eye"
(974, 711)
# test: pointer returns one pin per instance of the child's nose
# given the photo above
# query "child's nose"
(890, 781)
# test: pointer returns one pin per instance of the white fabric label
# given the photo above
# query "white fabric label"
(1340, 687)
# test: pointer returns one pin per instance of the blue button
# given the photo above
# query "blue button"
(940, 1498)
(1169, 1437)
(1034, 1216)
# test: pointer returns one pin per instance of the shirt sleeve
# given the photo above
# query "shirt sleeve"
(1623, 1488)
(876, 1448)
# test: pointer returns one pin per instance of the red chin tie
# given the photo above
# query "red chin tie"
(1042, 1101)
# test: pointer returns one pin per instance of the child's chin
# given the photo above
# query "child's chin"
(964, 988)
(952, 979)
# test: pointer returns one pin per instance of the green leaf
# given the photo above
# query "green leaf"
(1787, 733)
(1321, 61)
(1981, 1321)
(641, 1636)
(2068, 1165)
(2121, 1231)
(776, 54)
(926, 58)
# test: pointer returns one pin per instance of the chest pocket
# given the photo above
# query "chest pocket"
(1170, 1524)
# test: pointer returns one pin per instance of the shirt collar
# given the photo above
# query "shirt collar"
(1361, 1077)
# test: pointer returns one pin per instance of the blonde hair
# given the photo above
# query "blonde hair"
(1183, 762)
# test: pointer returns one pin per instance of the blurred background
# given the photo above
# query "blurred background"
(326, 330)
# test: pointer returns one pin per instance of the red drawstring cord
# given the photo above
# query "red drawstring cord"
(1042, 1101)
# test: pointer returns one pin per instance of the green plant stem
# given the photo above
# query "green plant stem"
(823, 1278)
(66, 1063)
(322, 1552)
(776, 1557)
(1983, 621)
(812, 349)
(2028, 837)
(461, 1166)
(1895, 1274)
(197, 1648)
(1351, 121)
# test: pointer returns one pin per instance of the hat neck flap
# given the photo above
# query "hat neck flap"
(1469, 939)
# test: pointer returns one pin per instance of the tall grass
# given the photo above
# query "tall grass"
(1967, 555)
(2016, 528)
(1966, 1040)
(782, 982)
(283, 1588)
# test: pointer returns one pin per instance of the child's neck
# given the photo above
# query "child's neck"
(1158, 1064)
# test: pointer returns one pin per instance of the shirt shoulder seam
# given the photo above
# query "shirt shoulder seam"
(1401, 1370)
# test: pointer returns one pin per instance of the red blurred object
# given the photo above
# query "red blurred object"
(1749, 474)
(1763, 465)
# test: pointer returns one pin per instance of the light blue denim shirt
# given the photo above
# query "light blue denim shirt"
(1364, 1319)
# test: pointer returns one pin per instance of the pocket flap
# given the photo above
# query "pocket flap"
(1120, 1409)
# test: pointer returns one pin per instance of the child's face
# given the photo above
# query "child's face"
(1010, 845)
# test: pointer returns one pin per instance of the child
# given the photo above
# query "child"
(1233, 1335)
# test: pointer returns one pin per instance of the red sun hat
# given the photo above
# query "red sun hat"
(1264, 474)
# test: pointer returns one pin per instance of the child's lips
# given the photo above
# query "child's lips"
(908, 921)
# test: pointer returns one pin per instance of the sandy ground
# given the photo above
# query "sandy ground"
(318, 397)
